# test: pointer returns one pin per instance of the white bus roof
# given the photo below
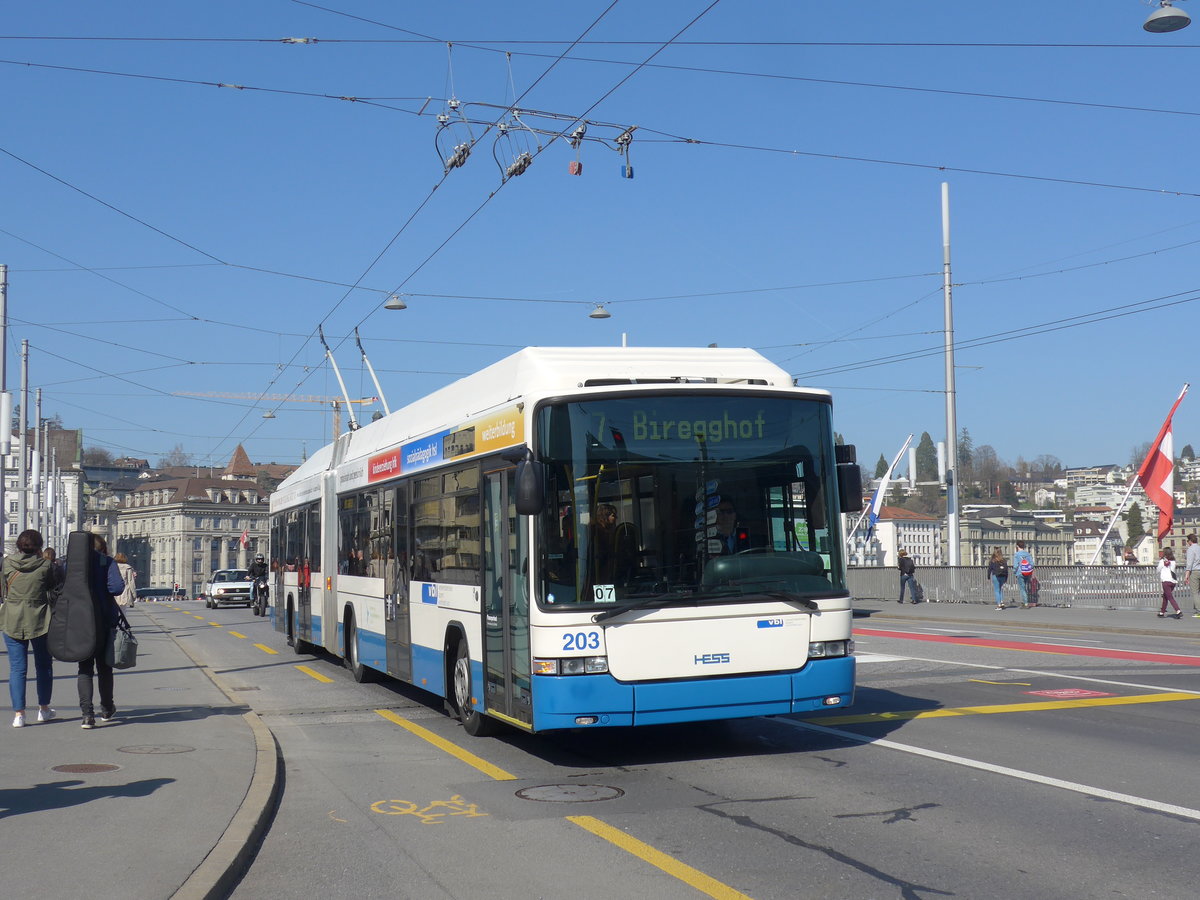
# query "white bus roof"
(537, 372)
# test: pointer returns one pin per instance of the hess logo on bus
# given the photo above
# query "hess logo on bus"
(710, 659)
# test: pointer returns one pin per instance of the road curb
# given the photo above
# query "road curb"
(225, 864)
(230, 857)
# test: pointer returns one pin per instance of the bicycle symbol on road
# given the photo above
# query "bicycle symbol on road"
(434, 813)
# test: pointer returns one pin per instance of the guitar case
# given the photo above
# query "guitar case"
(75, 620)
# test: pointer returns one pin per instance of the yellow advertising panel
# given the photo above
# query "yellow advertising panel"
(503, 429)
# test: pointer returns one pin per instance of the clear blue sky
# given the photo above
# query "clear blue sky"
(180, 236)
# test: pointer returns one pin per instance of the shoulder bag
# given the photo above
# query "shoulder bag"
(122, 645)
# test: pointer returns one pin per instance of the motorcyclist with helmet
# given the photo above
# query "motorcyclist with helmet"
(258, 579)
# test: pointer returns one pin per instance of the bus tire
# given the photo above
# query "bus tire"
(362, 674)
(474, 722)
(299, 647)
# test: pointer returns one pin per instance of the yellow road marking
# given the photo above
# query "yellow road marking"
(265, 649)
(673, 867)
(668, 864)
(1001, 708)
(235, 634)
(216, 624)
(194, 616)
(312, 673)
(454, 750)
(982, 681)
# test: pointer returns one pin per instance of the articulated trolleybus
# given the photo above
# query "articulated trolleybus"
(583, 537)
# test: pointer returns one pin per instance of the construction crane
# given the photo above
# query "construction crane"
(335, 402)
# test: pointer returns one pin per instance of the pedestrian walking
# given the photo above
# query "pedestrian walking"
(908, 576)
(1023, 563)
(25, 619)
(107, 577)
(129, 576)
(998, 573)
(1191, 563)
(1166, 573)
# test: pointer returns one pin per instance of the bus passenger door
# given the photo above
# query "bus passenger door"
(396, 574)
(505, 600)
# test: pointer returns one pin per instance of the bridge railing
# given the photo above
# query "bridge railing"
(1099, 587)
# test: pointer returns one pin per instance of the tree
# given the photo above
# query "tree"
(966, 459)
(1138, 454)
(96, 456)
(177, 457)
(927, 468)
(881, 466)
(1187, 452)
(1136, 529)
(1048, 466)
(1008, 493)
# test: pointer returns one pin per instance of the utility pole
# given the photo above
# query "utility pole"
(23, 444)
(35, 476)
(5, 403)
(952, 537)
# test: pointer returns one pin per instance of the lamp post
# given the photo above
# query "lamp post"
(952, 538)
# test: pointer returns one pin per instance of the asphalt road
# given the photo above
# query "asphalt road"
(975, 763)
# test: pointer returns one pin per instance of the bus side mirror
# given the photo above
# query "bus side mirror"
(849, 478)
(530, 486)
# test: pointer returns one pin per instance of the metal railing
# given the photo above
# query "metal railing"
(1097, 587)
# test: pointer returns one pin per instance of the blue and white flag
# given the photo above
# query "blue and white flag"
(877, 500)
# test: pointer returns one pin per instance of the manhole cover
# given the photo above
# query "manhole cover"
(84, 768)
(157, 748)
(570, 793)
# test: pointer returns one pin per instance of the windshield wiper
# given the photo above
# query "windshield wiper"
(684, 600)
(691, 598)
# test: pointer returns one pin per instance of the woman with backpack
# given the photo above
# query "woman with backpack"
(998, 572)
(25, 620)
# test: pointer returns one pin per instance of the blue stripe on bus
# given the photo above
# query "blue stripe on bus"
(429, 670)
(372, 649)
(558, 700)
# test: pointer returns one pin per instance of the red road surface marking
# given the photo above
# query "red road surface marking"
(1032, 647)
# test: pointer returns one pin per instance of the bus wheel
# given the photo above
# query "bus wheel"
(299, 646)
(474, 723)
(361, 673)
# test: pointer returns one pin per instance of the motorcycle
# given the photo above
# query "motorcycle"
(261, 595)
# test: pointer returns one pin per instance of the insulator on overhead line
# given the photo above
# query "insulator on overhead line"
(459, 156)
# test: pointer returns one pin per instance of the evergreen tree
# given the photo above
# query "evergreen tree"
(881, 466)
(927, 469)
(1008, 493)
(1133, 520)
(1187, 452)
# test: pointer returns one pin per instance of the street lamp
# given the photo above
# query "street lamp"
(1166, 19)
(396, 301)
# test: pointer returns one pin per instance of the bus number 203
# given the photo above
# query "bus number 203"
(581, 640)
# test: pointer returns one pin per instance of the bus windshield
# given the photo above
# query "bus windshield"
(659, 499)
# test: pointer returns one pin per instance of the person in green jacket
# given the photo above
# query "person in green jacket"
(25, 619)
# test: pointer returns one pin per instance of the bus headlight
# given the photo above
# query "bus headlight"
(823, 649)
(574, 665)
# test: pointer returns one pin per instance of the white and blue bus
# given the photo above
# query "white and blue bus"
(583, 537)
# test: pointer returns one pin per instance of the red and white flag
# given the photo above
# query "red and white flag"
(244, 540)
(1157, 472)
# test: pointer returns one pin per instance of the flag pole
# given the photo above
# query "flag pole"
(879, 491)
(1155, 449)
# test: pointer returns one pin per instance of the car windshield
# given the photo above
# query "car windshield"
(668, 497)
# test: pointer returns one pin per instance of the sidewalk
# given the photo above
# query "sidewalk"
(168, 800)
(1048, 618)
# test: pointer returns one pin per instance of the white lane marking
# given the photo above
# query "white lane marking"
(1032, 777)
(877, 657)
(1049, 674)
